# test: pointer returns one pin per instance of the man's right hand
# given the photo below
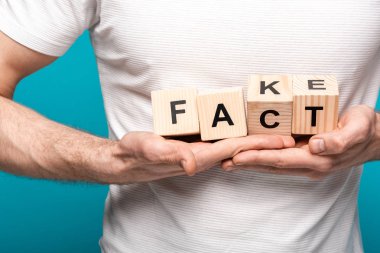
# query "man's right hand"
(144, 156)
(34, 146)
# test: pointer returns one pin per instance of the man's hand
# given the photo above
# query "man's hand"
(355, 141)
(34, 146)
(144, 156)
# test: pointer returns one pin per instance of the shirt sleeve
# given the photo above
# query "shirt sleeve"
(47, 26)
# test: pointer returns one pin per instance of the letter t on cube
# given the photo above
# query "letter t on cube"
(315, 104)
(269, 104)
(175, 112)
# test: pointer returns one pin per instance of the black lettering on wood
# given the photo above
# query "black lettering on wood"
(264, 123)
(263, 87)
(226, 117)
(314, 110)
(174, 110)
(313, 83)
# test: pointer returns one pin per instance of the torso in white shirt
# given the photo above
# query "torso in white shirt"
(213, 44)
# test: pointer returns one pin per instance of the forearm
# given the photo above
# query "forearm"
(34, 146)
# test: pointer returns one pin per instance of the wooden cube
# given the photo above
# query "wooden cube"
(175, 112)
(222, 114)
(269, 104)
(315, 104)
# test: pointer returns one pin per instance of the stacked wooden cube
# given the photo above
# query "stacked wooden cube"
(276, 104)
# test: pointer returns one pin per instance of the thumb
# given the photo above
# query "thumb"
(350, 132)
(185, 157)
(175, 153)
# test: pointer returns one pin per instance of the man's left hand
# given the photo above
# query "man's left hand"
(355, 141)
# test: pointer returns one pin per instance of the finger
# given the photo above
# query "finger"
(186, 158)
(289, 141)
(198, 146)
(228, 148)
(311, 174)
(354, 128)
(151, 172)
(228, 165)
(172, 153)
(277, 171)
(291, 158)
(149, 148)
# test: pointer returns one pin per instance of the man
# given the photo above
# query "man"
(142, 45)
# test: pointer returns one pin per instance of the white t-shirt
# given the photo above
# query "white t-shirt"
(143, 45)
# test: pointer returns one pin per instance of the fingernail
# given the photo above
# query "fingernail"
(317, 146)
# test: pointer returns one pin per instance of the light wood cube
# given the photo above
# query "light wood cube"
(269, 104)
(222, 114)
(315, 104)
(175, 112)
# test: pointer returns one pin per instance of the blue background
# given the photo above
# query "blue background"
(45, 216)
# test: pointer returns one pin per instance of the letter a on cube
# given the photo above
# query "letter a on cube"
(315, 104)
(222, 114)
(175, 112)
(269, 104)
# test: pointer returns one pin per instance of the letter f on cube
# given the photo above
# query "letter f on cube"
(175, 112)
